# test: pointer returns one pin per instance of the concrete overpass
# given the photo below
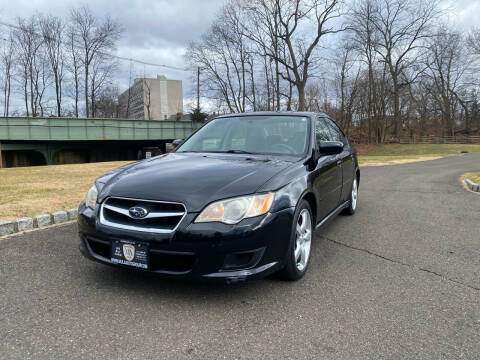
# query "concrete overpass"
(45, 141)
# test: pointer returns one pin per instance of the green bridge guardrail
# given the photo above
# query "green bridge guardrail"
(85, 129)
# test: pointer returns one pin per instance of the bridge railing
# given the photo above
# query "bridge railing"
(64, 129)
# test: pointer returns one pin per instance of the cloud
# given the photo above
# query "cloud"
(155, 31)
(158, 31)
(462, 13)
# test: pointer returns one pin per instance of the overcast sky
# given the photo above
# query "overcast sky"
(158, 31)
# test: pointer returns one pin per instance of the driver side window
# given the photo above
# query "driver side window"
(336, 133)
(321, 131)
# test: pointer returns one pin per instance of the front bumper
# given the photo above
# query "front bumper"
(253, 248)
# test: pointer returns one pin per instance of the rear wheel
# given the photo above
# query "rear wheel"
(298, 255)
(350, 210)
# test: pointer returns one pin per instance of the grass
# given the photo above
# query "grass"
(403, 153)
(475, 177)
(30, 191)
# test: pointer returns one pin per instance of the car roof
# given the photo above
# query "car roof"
(271, 113)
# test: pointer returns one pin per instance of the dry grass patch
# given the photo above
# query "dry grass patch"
(392, 154)
(392, 160)
(474, 176)
(31, 191)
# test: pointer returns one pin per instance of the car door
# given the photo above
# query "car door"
(327, 175)
(346, 157)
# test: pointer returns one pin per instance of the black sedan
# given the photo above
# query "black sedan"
(239, 199)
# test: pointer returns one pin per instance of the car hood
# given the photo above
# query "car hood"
(192, 179)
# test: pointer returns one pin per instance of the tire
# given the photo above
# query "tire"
(352, 207)
(299, 249)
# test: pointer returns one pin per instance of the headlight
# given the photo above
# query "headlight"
(91, 198)
(232, 211)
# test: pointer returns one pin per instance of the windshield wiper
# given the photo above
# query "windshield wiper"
(237, 152)
(219, 152)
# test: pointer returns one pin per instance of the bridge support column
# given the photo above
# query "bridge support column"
(48, 154)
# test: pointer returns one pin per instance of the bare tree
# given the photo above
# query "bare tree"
(7, 61)
(28, 42)
(447, 65)
(474, 41)
(403, 27)
(289, 17)
(94, 37)
(346, 84)
(106, 104)
(223, 55)
(363, 40)
(52, 29)
(102, 69)
(74, 66)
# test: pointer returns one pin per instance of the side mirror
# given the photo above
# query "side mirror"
(330, 147)
(177, 142)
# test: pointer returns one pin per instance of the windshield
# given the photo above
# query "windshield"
(278, 135)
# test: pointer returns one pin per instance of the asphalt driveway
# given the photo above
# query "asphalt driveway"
(399, 280)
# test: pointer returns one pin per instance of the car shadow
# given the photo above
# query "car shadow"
(137, 282)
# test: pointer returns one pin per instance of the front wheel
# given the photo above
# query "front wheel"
(298, 255)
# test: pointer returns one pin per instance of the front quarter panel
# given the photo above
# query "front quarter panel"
(289, 186)
(289, 195)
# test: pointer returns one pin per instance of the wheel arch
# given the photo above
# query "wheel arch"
(310, 198)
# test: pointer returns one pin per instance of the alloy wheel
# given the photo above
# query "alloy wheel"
(354, 194)
(303, 240)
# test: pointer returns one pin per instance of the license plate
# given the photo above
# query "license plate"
(130, 253)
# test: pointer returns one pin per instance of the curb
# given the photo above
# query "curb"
(472, 186)
(5, 237)
(36, 222)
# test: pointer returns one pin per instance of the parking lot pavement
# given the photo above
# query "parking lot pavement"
(399, 280)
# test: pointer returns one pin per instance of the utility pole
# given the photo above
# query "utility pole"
(198, 87)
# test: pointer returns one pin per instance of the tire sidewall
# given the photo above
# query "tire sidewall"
(292, 272)
(350, 210)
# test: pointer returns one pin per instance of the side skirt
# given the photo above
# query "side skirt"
(333, 214)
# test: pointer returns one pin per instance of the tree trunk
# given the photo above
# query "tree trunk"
(267, 79)
(6, 96)
(92, 97)
(7, 103)
(25, 92)
(57, 91)
(396, 107)
(252, 76)
(86, 91)
(76, 95)
(32, 107)
(301, 96)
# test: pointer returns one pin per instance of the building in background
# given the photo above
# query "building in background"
(152, 99)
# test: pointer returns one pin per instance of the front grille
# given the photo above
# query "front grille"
(160, 260)
(163, 217)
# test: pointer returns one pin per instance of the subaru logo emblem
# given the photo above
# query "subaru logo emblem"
(138, 212)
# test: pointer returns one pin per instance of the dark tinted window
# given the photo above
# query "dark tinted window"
(322, 132)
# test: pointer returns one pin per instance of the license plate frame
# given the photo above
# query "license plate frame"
(130, 253)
